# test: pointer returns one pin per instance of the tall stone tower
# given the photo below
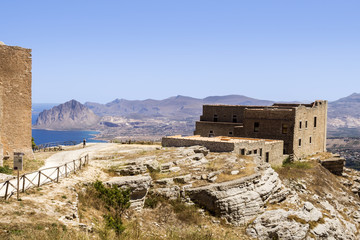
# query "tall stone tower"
(15, 100)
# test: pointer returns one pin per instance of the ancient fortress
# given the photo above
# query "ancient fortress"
(270, 132)
(15, 100)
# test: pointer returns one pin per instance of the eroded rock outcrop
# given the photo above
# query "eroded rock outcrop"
(139, 186)
(242, 199)
(307, 222)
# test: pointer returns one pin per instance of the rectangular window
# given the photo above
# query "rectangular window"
(300, 124)
(215, 117)
(211, 133)
(234, 119)
(256, 126)
(249, 152)
(230, 134)
(315, 121)
(243, 151)
(267, 157)
(305, 124)
(284, 129)
(310, 140)
(300, 142)
(260, 152)
(255, 151)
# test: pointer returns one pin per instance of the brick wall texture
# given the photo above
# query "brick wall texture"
(15, 100)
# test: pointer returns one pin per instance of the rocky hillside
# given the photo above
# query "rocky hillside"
(71, 115)
(190, 193)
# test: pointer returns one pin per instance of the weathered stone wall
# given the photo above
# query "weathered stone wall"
(270, 122)
(260, 148)
(15, 99)
(270, 125)
(250, 147)
(306, 116)
(217, 128)
(214, 146)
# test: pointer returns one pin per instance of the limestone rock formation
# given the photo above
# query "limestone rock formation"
(239, 200)
(71, 115)
(139, 186)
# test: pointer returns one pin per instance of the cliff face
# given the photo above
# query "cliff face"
(71, 115)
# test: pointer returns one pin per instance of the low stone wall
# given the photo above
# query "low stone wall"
(334, 165)
(214, 146)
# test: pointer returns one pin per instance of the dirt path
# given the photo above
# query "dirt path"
(67, 156)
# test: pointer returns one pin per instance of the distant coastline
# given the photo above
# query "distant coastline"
(42, 136)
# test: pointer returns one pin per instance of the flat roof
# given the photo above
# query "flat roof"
(224, 139)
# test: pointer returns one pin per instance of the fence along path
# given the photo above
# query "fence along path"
(41, 177)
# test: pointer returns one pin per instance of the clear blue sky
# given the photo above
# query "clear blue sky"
(267, 49)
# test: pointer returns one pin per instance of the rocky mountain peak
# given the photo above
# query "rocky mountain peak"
(67, 116)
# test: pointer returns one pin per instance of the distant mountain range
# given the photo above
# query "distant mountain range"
(176, 108)
(343, 114)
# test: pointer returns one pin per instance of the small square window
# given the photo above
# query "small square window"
(215, 117)
(284, 129)
(234, 119)
(255, 151)
(230, 133)
(256, 126)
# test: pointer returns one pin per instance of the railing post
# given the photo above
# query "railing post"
(66, 170)
(57, 177)
(23, 176)
(74, 166)
(39, 178)
(80, 164)
(7, 188)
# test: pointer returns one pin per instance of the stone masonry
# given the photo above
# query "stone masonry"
(15, 100)
(302, 127)
(267, 150)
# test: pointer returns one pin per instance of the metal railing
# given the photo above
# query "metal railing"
(41, 177)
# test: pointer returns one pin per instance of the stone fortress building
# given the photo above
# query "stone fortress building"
(298, 130)
(15, 100)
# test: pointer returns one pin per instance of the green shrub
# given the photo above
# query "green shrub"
(152, 201)
(116, 201)
(6, 170)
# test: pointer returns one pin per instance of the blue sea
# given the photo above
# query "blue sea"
(47, 136)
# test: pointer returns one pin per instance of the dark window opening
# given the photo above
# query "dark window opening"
(249, 152)
(310, 140)
(256, 126)
(255, 151)
(242, 151)
(234, 119)
(260, 152)
(267, 157)
(300, 124)
(215, 117)
(211, 133)
(305, 124)
(230, 134)
(284, 129)
(315, 121)
(300, 142)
